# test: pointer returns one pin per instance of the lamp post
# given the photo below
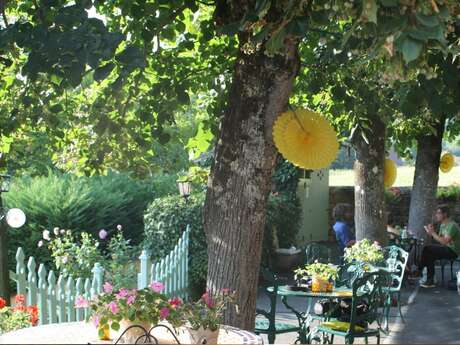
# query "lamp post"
(14, 218)
(185, 188)
(4, 271)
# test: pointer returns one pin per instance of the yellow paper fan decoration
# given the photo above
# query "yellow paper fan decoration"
(306, 139)
(390, 171)
(446, 162)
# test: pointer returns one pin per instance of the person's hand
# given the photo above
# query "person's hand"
(430, 229)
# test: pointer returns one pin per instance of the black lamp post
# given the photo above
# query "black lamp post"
(14, 218)
(4, 272)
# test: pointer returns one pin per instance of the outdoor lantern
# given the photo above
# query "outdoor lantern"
(15, 218)
(185, 188)
(4, 183)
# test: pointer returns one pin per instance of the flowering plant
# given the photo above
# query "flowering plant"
(364, 251)
(317, 269)
(207, 312)
(19, 316)
(147, 305)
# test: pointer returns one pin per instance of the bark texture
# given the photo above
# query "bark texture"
(423, 196)
(370, 217)
(4, 270)
(240, 180)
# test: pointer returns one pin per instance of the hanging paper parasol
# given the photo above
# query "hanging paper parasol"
(306, 139)
(390, 171)
(447, 162)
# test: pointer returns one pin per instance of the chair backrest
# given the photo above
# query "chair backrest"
(273, 281)
(317, 252)
(396, 261)
(368, 290)
(348, 272)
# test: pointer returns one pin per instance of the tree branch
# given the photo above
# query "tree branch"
(2, 10)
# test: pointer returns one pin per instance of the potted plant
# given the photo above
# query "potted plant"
(205, 316)
(17, 317)
(321, 275)
(365, 252)
(120, 309)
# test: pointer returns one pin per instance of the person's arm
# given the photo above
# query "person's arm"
(444, 240)
(347, 237)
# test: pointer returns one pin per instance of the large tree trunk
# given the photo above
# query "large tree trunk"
(240, 181)
(370, 215)
(423, 196)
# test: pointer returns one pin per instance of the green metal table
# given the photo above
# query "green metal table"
(306, 317)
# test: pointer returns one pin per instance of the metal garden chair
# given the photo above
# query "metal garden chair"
(317, 252)
(266, 322)
(396, 265)
(367, 290)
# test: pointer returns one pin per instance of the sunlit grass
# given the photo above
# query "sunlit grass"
(404, 179)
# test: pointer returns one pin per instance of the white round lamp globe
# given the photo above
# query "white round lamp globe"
(15, 218)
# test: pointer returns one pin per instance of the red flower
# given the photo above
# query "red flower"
(20, 308)
(175, 302)
(33, 312)
(20, 299)
(207, 298)
(2, 303)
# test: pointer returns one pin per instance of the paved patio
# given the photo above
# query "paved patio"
(432, 316)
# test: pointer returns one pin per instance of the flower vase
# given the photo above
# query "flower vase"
(131, 331)
(319, 284)
(103, 333)
(203, 336)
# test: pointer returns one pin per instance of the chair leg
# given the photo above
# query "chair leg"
(366, 340)
(451, 270)
(442, 273)
(332, 338)
(271, 337)
(378, 338)
(398, 301)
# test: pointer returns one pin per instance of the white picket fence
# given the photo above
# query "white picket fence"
(55, 297)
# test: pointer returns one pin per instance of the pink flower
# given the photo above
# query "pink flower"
(157, 286)
(108, 288)
(131, 299)
(81, 302)
(103, 234)
(175, 302)
(207, 298)
(225, 291)
(164, 312)
(96, 320)
(122, 293)
(113, 307)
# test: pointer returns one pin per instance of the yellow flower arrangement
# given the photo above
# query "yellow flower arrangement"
(305, 138)
(446, 162)
(390, 172)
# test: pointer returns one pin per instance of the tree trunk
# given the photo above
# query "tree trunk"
(4, 269)
(240, 180)
(423, 196)
(370, 215)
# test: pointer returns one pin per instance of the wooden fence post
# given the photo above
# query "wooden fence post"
(42, 295)
(21, 281)
(70, 299)
(31, 282)
(143, 276)
(52, 305)
(79, 294)
(61, 299)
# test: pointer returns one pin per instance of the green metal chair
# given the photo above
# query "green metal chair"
(396, 265)
(266, 322)
(317, 252)
(367, 290)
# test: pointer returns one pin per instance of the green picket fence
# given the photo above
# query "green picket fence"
(55, 295)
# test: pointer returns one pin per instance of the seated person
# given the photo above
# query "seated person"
(393, 232)
(448, 247)
(343, 217)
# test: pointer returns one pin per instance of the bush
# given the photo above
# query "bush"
(165, 221)
(450, 193)
(78, 203)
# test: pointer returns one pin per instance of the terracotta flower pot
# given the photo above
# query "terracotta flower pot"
(131, 335)
(319, 285)
(202, 336)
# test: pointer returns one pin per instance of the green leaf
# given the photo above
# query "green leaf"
(56, 108)
(298, 27)
(230, 29)
(276, 42)
(103, 72)
(411, 49)
(262, 7)
(369, 13)
(115, 326)
(389, 3)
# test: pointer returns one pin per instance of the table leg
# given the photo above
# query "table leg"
(304, 320)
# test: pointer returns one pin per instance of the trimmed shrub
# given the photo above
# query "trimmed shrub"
(165, 221)
(78, 203)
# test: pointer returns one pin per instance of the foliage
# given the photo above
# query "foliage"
(317, 269)
(17, 317)
(75, 254)
(165, 221)
(451, 193)
(207, 312)
(393, 196)
(78, 203)
(364, 251)
(146, 305)
(283, 209)
(72, 257)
